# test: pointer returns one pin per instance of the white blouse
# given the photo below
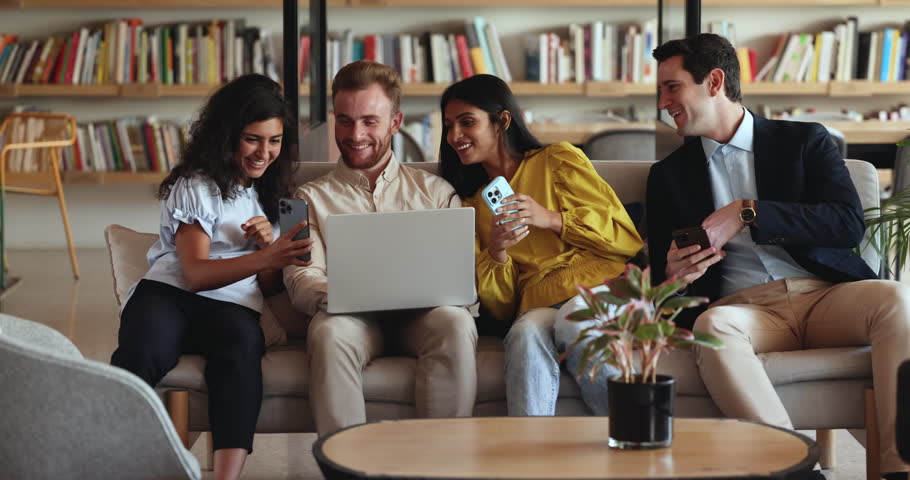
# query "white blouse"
(198, 200)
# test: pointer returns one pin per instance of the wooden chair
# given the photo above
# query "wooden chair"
(66, 137)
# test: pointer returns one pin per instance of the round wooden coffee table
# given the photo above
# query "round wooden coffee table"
(559, 447)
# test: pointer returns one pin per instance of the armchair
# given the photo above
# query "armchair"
(68, 417)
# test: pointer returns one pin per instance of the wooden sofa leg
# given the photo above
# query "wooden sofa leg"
(873, 452)
(827, 445)
(209, 453)
(178, 407)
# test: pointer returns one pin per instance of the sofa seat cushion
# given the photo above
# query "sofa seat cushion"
(284, 373)
(783, 368)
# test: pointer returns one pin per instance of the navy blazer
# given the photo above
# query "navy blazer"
(806, 203)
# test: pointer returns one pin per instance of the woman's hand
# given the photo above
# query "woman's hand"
(502, 237)
(285, 250)
(259, 229)
(529, 212)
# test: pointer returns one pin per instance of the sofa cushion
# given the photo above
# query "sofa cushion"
(284, 372)
(127, 249)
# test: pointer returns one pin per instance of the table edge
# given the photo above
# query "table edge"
(333, 471)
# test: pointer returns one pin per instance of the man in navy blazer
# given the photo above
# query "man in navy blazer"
(782, 217)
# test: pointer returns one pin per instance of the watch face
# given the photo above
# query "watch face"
(747, 215)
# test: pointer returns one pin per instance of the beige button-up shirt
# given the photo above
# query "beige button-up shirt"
(344, 190)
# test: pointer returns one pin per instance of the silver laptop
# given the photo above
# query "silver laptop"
(399, 260)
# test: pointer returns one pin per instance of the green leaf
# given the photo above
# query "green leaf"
(622, 288)
(647, 331)
(682, 302)
(707, 340)
(611, 299)
(581, 315)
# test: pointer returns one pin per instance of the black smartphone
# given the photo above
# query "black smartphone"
(292, 211)
(691, 236)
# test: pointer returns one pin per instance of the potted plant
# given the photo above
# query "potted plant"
(889, 228)
(634, 316)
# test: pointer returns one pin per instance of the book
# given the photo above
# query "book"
(499, 59)
(480, 26)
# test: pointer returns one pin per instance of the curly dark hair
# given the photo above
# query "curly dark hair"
(490, 94)
(702, 53)
(215, 137)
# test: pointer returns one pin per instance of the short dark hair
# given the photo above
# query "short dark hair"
(490, 94)
(361, 74)
(702, 53)
(215, 135)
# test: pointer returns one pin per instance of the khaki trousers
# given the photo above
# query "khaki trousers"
(444, 340)
(797, 314)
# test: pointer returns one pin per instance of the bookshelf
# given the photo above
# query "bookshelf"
(855, 132)
(857, 88)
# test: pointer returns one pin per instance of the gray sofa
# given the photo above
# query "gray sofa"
(821, 389)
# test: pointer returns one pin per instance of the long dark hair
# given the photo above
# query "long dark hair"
(215, 136)
(492, 95)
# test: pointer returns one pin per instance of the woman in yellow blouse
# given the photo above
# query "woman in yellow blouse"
(573, 229)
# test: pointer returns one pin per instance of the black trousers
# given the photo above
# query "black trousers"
(160, 322)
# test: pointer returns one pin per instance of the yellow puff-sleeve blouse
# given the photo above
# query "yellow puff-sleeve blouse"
(597, 238)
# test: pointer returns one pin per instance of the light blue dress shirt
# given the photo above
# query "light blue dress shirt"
(731, 167)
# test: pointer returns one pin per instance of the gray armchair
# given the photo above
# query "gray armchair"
(67, 417)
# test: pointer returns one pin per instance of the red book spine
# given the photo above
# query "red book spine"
(71, 59)
(369, 47)
(153, 153)
(464, 58)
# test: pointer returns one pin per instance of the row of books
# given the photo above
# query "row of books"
(125, 144)
(126, 51)
(598, 51)
(841, 54)
(419, 58)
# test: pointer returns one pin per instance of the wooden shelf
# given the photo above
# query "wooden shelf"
(503, 3)
(774, 88)
(156, 4)
(559, 89)
(39, 179)
(855, 132)
(578, 133)
(777, 3)
(590, 89)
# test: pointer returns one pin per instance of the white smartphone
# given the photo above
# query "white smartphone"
(292, 211)
(493, 194)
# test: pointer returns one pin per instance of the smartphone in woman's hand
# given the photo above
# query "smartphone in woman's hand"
(292, 211)
(493, 194)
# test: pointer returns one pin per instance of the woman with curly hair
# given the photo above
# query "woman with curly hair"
(217, 255)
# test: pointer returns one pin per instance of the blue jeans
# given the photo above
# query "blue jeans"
(594, 393)
(532, 373)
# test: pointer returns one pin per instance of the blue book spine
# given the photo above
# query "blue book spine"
(480, 26)
(884, 71)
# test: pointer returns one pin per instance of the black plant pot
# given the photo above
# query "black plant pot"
(641, 414)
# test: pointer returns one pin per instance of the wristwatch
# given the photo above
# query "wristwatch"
(748, 214)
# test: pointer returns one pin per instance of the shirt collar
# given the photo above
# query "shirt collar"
(742, 139)
(355, 178)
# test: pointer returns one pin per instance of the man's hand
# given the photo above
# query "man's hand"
(691, 262)
(724, 224)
